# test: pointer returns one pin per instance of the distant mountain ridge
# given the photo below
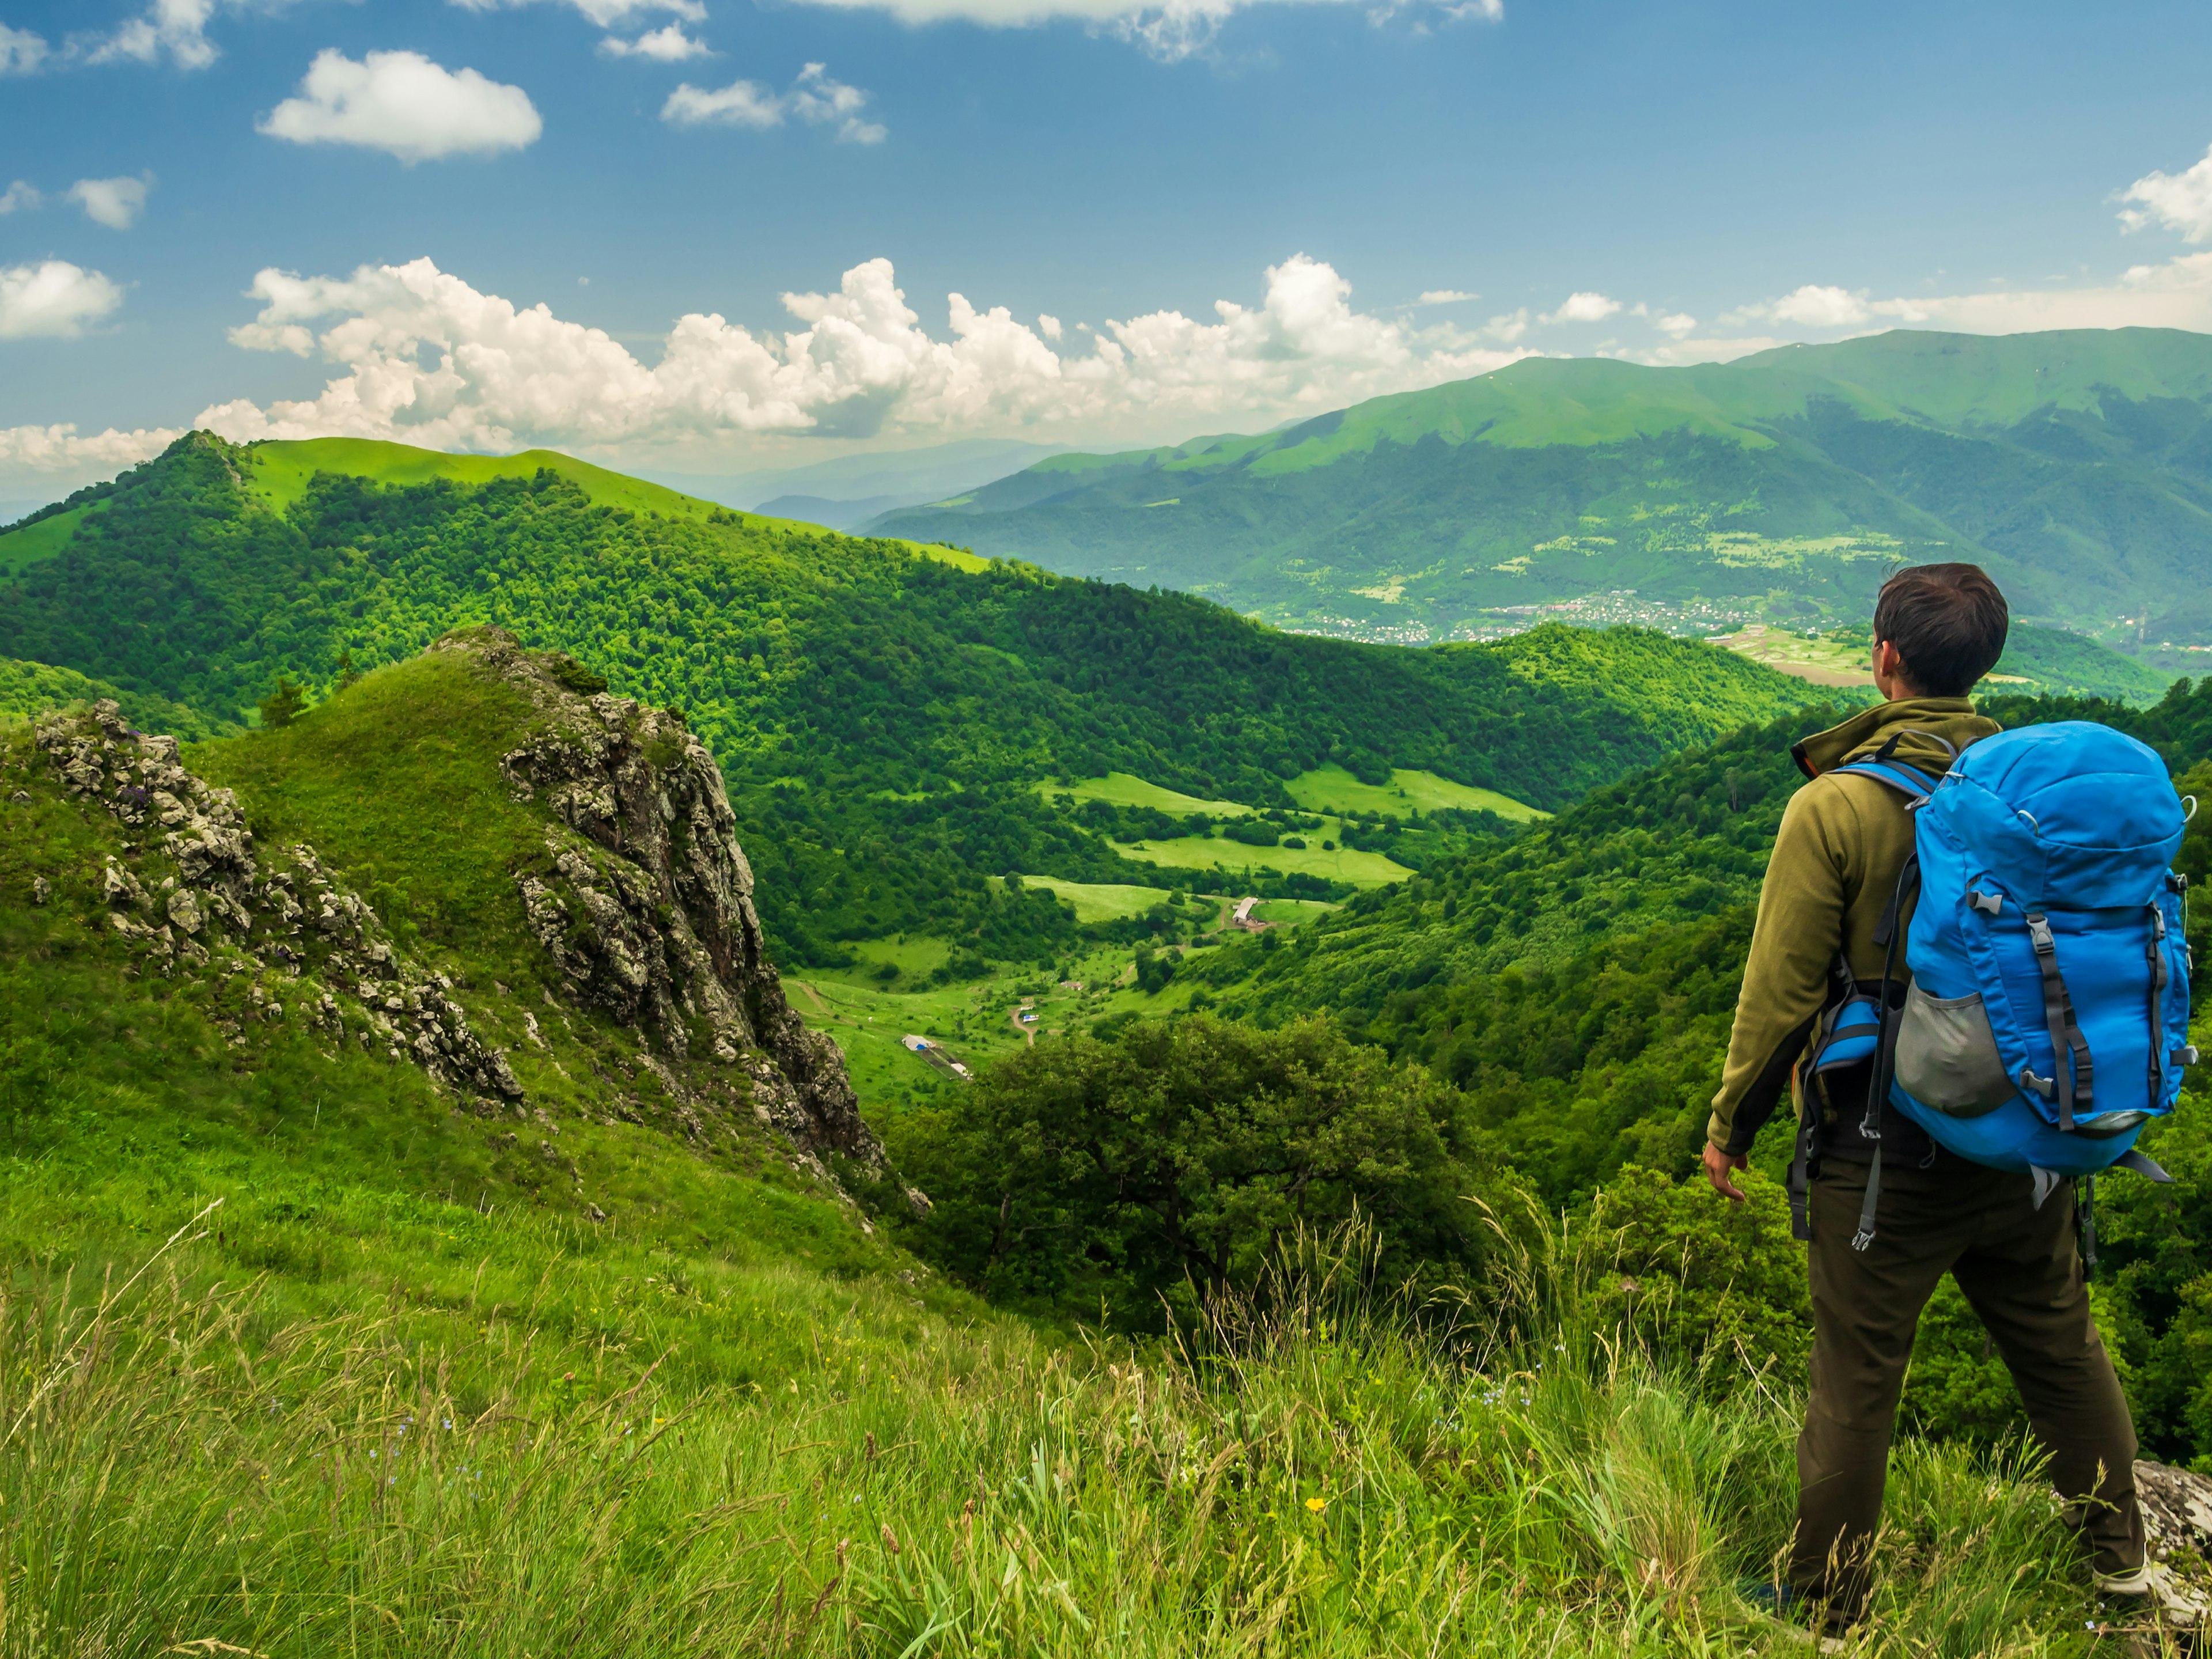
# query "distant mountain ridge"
(2077, 464)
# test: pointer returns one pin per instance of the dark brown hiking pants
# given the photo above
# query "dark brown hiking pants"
(2020, 1269)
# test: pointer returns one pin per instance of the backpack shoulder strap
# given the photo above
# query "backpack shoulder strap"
(1908, 780)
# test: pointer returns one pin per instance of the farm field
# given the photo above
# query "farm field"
(1096, 900)
(1124, 789)
(1289, 913)
(1202, 853)
(1820, 660)
(866, 1017)
(1332, 789)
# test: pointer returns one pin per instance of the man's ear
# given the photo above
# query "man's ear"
(1889, 674)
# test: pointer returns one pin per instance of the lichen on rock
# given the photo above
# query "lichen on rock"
(644, 903)
(224, 894)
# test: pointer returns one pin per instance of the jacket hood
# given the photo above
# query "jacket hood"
(1928, 733)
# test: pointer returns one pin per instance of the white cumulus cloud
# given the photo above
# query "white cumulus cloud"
(422, 356)
(1169, 29)
(1680, 325)
(1581, 307)
(176, 29)
(21, 50)
(1812, 306)
(2178, 200)
(401, 103)
(1445, 296)
(115, 202)
(52, 300)
(665, 45)
(813, 98)
(605, 14)
(50, 449)
(19, 195)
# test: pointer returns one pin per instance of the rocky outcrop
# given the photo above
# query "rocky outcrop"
(204, 899)
(644, 902)
(2177, 1507)
(638, 895)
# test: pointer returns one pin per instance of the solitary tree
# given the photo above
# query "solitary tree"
(284, 705)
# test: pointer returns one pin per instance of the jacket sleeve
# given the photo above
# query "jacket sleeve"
(1793, 944)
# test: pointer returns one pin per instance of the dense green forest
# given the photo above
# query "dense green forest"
(2075, 465)
(883, 717)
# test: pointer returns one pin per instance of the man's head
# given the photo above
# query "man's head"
(1937, 629)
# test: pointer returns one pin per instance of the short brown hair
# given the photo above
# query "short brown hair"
(1948, 623)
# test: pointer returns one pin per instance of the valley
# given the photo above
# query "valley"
(735, 1085)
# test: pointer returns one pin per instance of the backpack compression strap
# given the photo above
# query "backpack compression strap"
(2074, 1082)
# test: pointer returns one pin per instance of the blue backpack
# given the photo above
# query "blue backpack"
(2047, 1017)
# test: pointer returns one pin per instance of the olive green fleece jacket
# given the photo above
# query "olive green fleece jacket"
(1836, 860)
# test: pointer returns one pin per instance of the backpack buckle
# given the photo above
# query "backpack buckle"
(2185, 1056)
(1989, 903)
(2041, 1085)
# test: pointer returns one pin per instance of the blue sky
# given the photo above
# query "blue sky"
(1705, 177)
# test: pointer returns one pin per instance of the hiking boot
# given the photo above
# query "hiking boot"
(1781, 1604)
(2140, 1581)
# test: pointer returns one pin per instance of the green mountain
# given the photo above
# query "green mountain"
(2076, 465)
(885, 714)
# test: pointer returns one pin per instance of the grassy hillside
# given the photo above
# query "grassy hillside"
(281, 471)
(278, 471)
(2077, 465)
(884, 718)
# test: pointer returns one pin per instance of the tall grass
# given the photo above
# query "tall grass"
(1310, 1472)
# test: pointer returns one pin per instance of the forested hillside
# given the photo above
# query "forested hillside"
(883, 716)
(2076, 465)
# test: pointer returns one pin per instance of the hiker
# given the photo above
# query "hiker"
(2006, 1236)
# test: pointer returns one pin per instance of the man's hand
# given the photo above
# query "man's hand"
(1717, 1165)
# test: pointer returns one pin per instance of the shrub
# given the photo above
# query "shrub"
(1171, 1162)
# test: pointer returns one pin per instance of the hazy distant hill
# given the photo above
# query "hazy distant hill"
(871, 483)
(2077, 465)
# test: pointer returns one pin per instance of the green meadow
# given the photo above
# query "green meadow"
(1332, 789)
(1234, 859)
(1121, 789)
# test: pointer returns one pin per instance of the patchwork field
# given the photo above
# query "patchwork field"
(1234, 858)
(1821, 660)
(1123, 789)
(972, 1021)
(1101, 901)
(1332, 789)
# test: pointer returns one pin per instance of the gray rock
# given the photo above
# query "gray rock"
(221, 883)
(2177, 1507)
(645, 901)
